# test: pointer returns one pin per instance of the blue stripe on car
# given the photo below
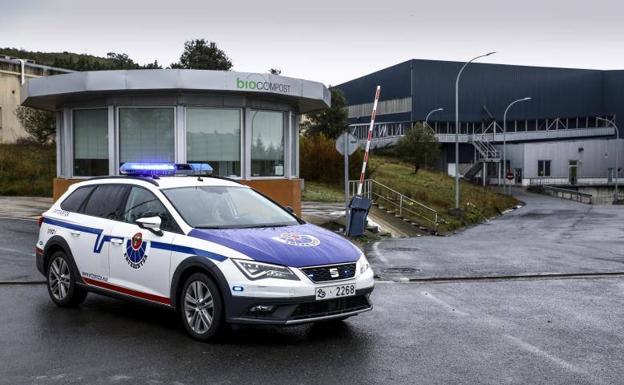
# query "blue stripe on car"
(99, 241)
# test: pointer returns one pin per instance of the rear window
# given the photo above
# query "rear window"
(75, 200)
(106, 201)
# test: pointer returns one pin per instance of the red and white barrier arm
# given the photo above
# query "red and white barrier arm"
(368, 140)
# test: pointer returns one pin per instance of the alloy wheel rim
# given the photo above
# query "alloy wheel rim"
(198, 307)
(59, 278)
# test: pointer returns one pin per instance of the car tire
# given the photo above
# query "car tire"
(61, 282)
(201, 307)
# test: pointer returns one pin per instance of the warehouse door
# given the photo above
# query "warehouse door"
(573, 173)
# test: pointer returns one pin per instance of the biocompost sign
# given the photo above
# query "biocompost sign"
(262, 85)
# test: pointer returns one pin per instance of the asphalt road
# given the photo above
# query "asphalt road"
(505, 330)
(548, 236)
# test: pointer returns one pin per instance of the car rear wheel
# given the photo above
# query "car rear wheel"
(62, 283)
(202, 307)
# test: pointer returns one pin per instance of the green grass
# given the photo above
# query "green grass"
(27, 169)
(321, 192)
(436, 190)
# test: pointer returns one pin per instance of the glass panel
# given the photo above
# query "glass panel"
(227, 207)
(141, 203)
(293, 142)
(267, 146)
(213, 136)
(76, 199)
(146, 135)
(105, 201)
(90, 142)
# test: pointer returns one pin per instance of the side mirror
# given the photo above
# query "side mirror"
(150, 223)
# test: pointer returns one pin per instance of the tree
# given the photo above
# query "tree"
(418, 146)
(203, 55)
(39, 124)
(275, 71)
(331, 121)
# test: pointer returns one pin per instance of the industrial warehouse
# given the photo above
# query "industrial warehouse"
(560, 127)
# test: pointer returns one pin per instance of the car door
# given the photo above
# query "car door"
(90, 233)
(140, 262)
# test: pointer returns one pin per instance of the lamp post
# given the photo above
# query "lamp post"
(505, 136)
(429, 114)
(617, 140)
(457, 125)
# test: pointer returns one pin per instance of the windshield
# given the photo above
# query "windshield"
(225, 207)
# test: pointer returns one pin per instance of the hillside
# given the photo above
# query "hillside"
(432, 188)
(78, 62)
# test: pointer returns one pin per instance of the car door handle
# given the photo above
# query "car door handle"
(116, 241)
(75, 233)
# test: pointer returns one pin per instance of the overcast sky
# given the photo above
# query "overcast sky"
(328, 41)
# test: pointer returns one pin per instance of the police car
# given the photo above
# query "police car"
(214, 250)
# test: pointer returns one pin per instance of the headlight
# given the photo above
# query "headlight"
(363, 264)
(258, 270)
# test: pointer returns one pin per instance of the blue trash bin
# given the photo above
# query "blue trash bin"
(358, 212)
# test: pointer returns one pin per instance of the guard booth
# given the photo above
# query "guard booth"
(244, 125)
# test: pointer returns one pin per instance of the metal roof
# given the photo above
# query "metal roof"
(50, 93)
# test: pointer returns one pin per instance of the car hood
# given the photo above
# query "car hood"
(297, 246)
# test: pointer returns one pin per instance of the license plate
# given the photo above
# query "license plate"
(328, 292)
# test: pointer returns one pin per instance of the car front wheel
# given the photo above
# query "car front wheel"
(202, 308)
(62, 283)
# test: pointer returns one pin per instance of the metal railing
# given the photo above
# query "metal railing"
(572, 195)
(403, 206)
(579, 181)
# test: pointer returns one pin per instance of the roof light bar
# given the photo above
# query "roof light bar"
(164, 169)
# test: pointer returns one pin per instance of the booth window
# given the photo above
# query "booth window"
(90, 142)
(213, 136)
(146, 134)
(267, 146)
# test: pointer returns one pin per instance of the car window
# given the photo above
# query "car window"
(106, 201)
(143, 203)
(75, 200)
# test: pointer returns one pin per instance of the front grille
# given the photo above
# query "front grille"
(330, 273)
(330, 307)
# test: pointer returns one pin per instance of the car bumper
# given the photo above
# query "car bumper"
(298, 310)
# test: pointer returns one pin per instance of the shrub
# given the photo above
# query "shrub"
(27, 169)
(320, 162)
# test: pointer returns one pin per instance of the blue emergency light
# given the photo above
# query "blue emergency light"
(164, 169)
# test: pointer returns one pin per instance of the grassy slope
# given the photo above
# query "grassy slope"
(321, 192)
(432, 188)
(27, 170)
(436, 190)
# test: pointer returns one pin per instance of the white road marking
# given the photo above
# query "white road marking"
(537, 351)
(20, 218)
(443, 303)
(378, 255)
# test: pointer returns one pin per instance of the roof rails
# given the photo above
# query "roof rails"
(143, 178)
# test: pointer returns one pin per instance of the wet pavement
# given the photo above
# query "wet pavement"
(544, 328)
(548, 236)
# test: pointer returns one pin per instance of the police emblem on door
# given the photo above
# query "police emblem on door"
(136, 250)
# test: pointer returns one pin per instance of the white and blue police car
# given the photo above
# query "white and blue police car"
(214, 250)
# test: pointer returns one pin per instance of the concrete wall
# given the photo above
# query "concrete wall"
(10, 127)
(595, 159)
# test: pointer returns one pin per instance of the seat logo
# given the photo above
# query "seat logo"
(294, 239)
(334, 273)
(136, 251)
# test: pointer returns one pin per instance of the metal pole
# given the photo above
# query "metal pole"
(457, 125)
(346, 178)
(505, 139)
(429, 114)
(617, 140)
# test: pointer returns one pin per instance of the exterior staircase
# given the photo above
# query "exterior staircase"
(486, 153)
